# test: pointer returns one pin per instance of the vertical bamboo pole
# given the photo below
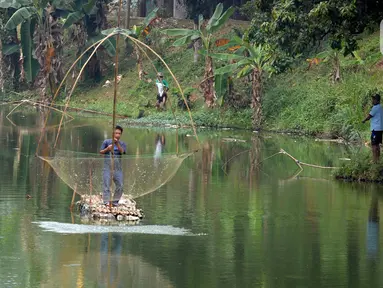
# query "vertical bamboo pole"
(177, 141)
(114, 102)
(73, 196)
(90, 186)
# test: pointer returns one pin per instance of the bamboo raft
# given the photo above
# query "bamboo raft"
(92, 208)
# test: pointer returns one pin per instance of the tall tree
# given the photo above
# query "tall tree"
(294, 28)
(250, 59)
(204, 33)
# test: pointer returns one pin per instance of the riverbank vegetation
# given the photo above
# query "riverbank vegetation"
(361, 169)
(294, 66)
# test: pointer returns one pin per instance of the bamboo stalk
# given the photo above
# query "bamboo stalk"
(114, 102)
(61, 84)
(76, 81)
(73, 196)
(90, 186)
(35, 103)
(18, 105)
(137, 42)
(155, 69)
(90, 111)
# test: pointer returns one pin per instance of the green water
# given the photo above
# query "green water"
(251, 227)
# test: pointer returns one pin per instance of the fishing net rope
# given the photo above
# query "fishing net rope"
(84, 172)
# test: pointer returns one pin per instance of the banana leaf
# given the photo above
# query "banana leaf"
(221, 85)
(87, 8)
(73, 18)
(5, 4)
(109, 46)
(152, 15)
(178, 32)
(216, 25)
(20, 16)
(31, 65)
(217, 14)
(9, 49)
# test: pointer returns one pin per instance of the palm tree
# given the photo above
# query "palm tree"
(205, 34)
(250, 59)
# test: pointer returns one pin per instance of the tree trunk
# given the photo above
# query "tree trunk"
(336, 69)
(127, 15)
(142, 8)
(255, 160)
(208, 84)
(196, 46)
(1, 68)
(257, 98)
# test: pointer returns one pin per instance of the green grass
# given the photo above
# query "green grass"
(361, 169)
(300, 100)
(308, 101)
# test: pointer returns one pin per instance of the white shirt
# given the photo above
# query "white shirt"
(160, 87)
(376, 121)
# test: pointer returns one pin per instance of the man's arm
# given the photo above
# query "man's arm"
(120, 147)
(105, 148)
(367, 118)
(370, 115)
(166, 84)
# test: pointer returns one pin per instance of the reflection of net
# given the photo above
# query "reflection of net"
(83, 172)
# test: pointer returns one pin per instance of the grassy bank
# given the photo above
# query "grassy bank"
(308, 100)
(300, 100)
(361, 169)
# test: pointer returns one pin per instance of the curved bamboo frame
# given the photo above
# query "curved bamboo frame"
(97, 45)
(155, 69)
(58, 90)
(75, 84)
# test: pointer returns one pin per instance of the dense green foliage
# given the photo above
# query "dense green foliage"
(300, 95)
(360, 168)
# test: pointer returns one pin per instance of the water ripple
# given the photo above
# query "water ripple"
(67, 228)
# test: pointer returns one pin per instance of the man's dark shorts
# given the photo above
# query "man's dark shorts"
(376, 138)
(160, 99)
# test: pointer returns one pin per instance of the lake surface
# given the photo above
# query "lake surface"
(221, 221)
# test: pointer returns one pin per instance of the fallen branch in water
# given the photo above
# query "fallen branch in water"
(90, 111)
(21, 102)
(298, 163)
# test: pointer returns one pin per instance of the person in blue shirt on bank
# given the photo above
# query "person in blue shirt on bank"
(376, 122)
(118, 147)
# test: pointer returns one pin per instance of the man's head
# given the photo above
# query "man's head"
(376, 99)
(118, 132)
(160, 75)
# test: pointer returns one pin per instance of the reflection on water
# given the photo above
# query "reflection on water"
(261, 227)
(373, 228)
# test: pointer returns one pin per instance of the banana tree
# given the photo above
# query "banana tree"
(336, 56)
(204, 33)
(87, 19)
(40, 37)
(249, 59)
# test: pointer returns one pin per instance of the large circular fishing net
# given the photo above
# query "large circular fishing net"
(83, 172)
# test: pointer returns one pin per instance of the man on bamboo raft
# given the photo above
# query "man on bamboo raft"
(376, 124)
(118, 147)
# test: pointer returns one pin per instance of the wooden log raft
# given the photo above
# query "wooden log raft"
(93, 208)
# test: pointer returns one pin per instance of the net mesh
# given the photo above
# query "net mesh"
(83, 172)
